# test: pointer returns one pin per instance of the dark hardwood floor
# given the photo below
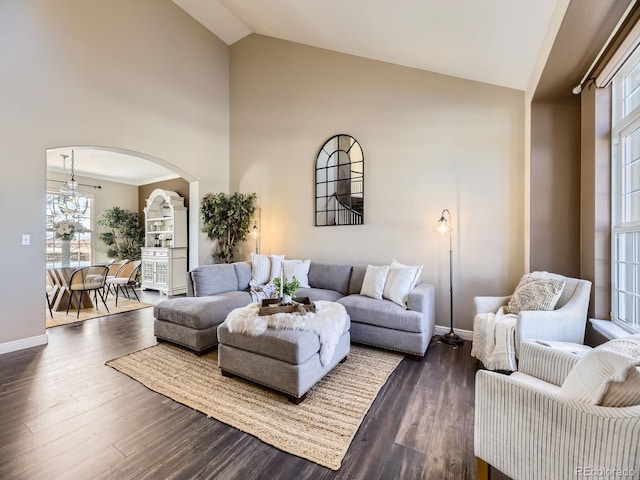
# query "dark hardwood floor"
(65, 415)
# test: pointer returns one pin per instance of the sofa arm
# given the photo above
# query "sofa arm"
(562, 325)
(489, 304)
(421, 298)
(526, 431)
(546, 363)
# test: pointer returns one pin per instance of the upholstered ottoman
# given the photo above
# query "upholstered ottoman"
(287, 360)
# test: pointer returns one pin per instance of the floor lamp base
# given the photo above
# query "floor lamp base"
(451, 338)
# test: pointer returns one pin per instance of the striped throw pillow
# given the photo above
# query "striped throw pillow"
(260, 269)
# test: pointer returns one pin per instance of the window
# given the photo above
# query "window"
(625, 240)
(81, 244)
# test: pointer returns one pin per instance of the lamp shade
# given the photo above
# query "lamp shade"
(443, 224)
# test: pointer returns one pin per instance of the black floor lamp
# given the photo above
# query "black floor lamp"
(255, 235)
(443, 229)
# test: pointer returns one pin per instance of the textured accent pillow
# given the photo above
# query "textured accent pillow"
(608, 375)
(418, 277)
(374, 280)
(276, 266)
(535, 294)
(297, 268)
(260, 269)
(399, 283)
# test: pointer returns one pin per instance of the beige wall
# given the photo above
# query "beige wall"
(555, 187)
(430, 142)
(138, 75)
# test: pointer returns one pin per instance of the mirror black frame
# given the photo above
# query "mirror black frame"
(339, 194)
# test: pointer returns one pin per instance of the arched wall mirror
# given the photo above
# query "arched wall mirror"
(340, 182)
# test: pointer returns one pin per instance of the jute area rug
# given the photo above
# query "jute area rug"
(124, 305)
(320, 429)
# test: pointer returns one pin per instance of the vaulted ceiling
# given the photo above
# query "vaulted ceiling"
(491, 41)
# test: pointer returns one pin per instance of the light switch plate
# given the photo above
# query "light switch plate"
(26, 239)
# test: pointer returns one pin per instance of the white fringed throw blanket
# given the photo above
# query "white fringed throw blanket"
(328, 323)
(262, 292)
(494, 338)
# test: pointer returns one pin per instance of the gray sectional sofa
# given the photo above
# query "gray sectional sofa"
(214, 290)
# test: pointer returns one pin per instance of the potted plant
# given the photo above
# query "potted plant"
(287, 290)
(227, 219)
(125, 236)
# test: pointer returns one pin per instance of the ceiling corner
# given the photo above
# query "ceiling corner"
(214, 16)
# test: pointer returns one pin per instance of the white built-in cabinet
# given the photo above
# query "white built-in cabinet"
(164, 256)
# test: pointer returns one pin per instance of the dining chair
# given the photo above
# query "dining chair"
(88, 279)
(114, 268)
(49, 289)
(125, 279)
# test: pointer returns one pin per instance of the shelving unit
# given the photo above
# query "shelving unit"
(164, 256)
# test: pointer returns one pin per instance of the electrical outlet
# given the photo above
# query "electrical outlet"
(26, 239)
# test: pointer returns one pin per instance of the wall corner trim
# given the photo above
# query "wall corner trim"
(464, 334)
(24, 343)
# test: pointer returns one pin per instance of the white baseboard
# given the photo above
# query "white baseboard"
(464, 334)
(24, 343)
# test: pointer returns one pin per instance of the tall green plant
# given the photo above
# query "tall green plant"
(227, 219)
(125, 235)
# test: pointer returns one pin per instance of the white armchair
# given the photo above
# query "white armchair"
(526, 428)
(567, 323)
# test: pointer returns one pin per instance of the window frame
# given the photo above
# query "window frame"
(90, 230)
(623, 125)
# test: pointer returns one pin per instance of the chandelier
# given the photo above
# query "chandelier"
(70, 202)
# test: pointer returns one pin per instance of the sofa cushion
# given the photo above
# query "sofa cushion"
(319, 294)
(383, 313)
(200, 312)
(291, 346)
(357, 277)
(330, 276)
(243, 272)
(214, 279)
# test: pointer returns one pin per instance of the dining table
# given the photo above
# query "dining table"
(60, 278)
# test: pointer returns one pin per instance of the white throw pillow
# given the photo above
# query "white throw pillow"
(276, 266)
(534, 293)
(374, 280)
(260, 269)
(418, 269)
(297, 268)
(608, 375)
(398, 284)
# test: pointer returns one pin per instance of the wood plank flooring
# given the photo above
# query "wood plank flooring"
(65, 415)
